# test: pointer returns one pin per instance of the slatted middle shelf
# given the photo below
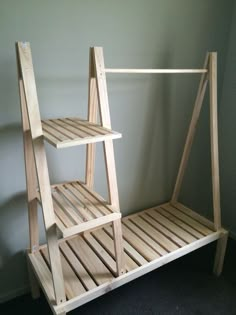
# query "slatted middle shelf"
(67, 132)
(77, 208)
(152, 238)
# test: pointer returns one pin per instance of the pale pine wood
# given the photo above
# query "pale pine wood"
(104, 256)
(108, 244)
(92, 117)
(129, 276)
(35, 291)
(68, 132)
(152, 237)
(191, 131)
(31, 178)
(109, 154)
(204, 221)
(92, 256)
(147, 71)
(214, 140)
(119, 251)
(26, 70)
(220, 253)
(131, 251)
(106, 122)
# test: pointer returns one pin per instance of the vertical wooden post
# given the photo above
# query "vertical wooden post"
(92, 117)
(31, 178)
(26, 72)
(35, 290)
(106, 122)
(109, 155)
(214, 140)
(220, 253)
(191, 132)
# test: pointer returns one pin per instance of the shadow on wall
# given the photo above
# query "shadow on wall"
(13, 242)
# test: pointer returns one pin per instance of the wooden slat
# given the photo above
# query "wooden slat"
(107, 242)
(84, 213)
(54, 124)
(179, 222)
(54, 132)
(84, 128)
(94, 197)
(73, 286)
(171, 226)
(91, 262)
(145, 237)
(163, 230)
(75, 130)
(131, 251)
(59, 196)
(78, 268)
(194, 215)
(99, 129)
(101, 253)
(86, 200)
(62, 216)
(146, 251)
(156, 235)
(190, 221)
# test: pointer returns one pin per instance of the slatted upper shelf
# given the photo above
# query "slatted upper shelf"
(67, 132)
(77, 208)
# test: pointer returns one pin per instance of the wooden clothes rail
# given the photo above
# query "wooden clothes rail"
(97, 251)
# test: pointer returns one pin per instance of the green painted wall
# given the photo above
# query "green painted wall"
(227, 114)
(152, 112)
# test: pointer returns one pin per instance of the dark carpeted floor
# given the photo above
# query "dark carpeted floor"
(184, 287)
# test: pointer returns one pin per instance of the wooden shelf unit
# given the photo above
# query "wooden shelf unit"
(77, 268)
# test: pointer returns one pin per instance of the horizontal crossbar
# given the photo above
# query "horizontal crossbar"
(110, 70)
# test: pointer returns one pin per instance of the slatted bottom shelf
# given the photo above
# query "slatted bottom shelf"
(152, 238)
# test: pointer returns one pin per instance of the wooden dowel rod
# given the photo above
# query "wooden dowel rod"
(109, 70)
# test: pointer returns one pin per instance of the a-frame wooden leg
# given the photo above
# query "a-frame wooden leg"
(214, 140)
(109, 155)
(220, 253)
(31, 178)
(118, 243)
(191, 132)
(26, 74)
(34, 286)
(92, 117)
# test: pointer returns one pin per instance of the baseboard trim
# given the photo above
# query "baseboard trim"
(14, 293)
